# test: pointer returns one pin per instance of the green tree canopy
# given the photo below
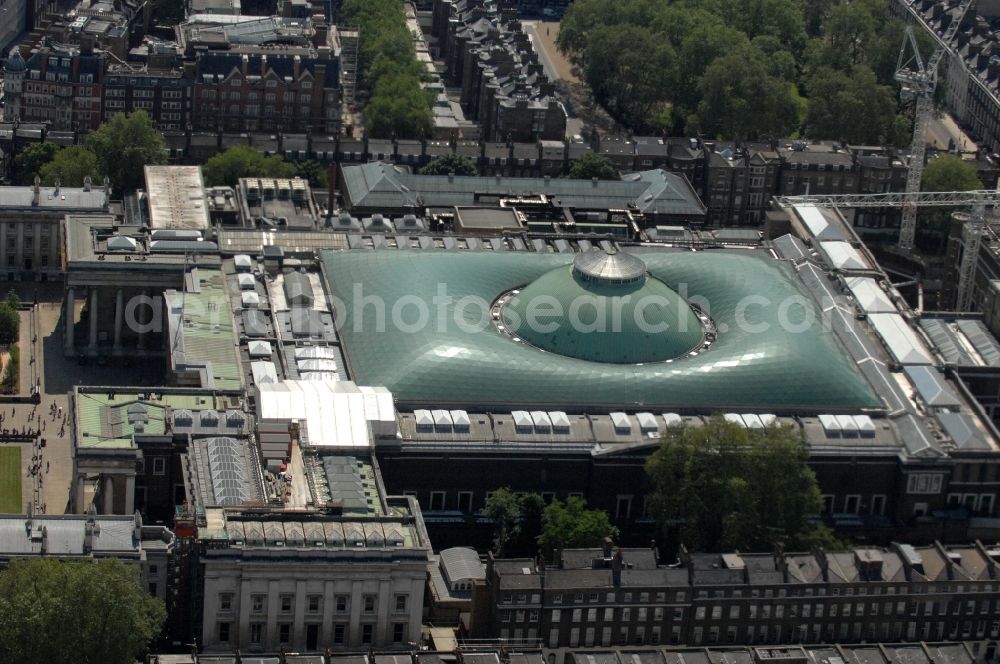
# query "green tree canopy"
(124, 145)
(504, 508)
(314, 172)
(733, 68)
(30, 160)
(398, 106)
(70, 166)
(10, 323)
(570, 525)
(242, 161)
(720, 487)
(56, 612)
(590, 166)
(449, 163)
(853, 107)
(740, 99)
(946, 172)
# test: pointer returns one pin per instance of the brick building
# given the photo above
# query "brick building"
(590, 597)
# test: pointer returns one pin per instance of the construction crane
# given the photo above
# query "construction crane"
(972, 229)
(919, 82)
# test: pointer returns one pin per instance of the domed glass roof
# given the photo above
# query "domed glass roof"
(604, 309)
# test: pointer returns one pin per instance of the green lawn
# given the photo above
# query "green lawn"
(10, 480)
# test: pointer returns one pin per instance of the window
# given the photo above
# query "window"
(367, 632)
(284, 633)
(465, 501)
(152, 589)
(256, 632)
(624, 507)
(224, 632)
(313, 603)
(258, 603)
(398, 632)
(437, 501)
(401, 603)
(924, 483)
(287, 602)
(341, 603)
(225, 601)
(851, 504)
(159, 466)
(369, 603)
(338, 633)
(878, 505)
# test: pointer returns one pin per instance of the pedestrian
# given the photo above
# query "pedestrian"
(47, 467)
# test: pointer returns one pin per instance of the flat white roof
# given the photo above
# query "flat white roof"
(336, 413)
(870, 296)
(903, 343)
(843, 256)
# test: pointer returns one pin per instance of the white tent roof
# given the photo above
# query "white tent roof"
(461, 419)
(902, 342)
(870, 296)
(560, 421)
(337, 413)
(242, 262)
(522, 420)
(250, 299)
(264, 373)
(423, 418)
(316, 365)
(843, 256)
(865, 426)
(442, 419)
(259, 348)
(647, 422)
(315, 353)
(847, 425)
(831, 425)
(122, 243)
(817, 223)
(767, 419)
(734, 418)
(621, 422)
(541, 420)
(246, 281)
(672, 420)
(752, 421)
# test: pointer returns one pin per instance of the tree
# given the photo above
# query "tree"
(124, 145)
(571, 525)
(314, 172)
(13, 301)
(10, 323)
(450, 163)
(30, 160)
(590, 166)
(242, 161)
(945, 172)
(853, 107)
(504, 508)
(740, 99)
(720, 487)
(70, 166)
(399, 107)
(56, 612)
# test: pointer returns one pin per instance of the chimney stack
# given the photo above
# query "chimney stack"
(36, 191)
(616, 569)
(608, 547)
